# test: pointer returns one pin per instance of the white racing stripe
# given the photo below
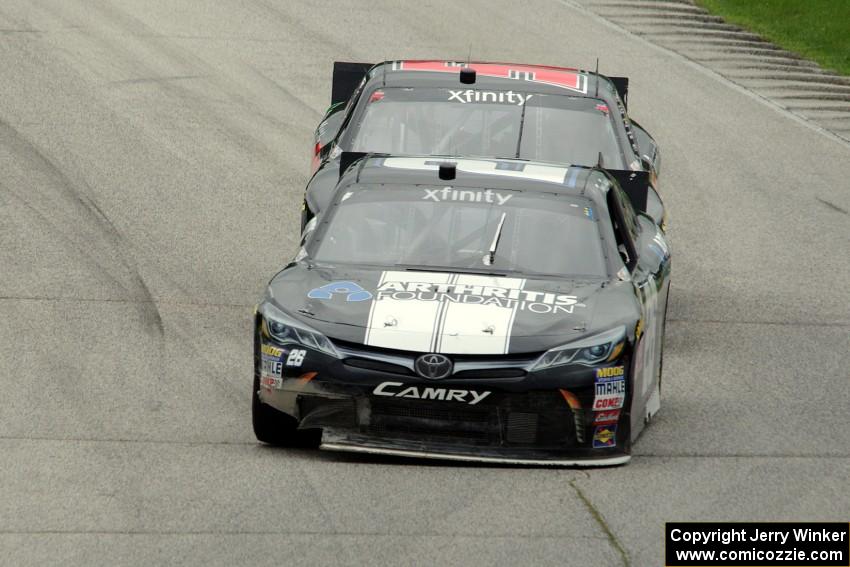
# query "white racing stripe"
(441, 326)
(538, 172)
(415, 321)
(470, 328)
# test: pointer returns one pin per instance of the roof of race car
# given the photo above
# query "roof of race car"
(535, 78)
(470, 172)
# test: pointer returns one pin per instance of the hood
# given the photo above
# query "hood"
(450, 313)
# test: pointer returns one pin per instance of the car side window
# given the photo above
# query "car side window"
(630, 218)
(623, 222)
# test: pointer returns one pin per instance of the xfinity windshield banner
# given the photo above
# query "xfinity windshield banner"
(765, 544)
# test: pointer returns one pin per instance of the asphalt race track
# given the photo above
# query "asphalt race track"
(153, 155)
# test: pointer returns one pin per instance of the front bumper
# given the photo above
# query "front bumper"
(333, 440)
(488, 415)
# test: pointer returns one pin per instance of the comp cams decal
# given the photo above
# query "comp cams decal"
(398, 390)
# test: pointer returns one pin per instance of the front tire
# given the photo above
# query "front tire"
(272, 426)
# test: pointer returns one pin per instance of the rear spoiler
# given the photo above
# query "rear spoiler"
(348, 158)
(635, 184)
(622, 86)
(346, 78)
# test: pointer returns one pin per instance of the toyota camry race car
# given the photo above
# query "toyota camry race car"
(471, 309)
(496, 110)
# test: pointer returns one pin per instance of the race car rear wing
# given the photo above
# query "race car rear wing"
(346, 77)
(635, 184)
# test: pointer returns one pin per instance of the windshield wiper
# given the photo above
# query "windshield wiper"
(521, 124)
(491, 255)
(424, 268)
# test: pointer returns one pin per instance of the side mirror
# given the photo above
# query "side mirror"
(655, 207)
(329, 128)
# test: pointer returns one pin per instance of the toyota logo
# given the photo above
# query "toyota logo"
(433, 366)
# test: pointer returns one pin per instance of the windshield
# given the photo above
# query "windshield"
(458, 228)
(432, 121)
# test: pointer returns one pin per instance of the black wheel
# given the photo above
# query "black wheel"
(271, 426)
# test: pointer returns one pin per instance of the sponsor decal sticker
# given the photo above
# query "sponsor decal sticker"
(610, 388)
(271, 383)
(570, 79)
(471, 195)
(350, 290)
(605, 436)
(606, 417)
(398, 390)
(271, 366)
(610, 372)
(469, 95)
(296, 357)
(538, 302)
(271, 350)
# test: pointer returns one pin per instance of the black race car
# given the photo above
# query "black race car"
(471, 309)
(497, 110)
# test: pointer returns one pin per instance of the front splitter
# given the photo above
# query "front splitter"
(417, 454)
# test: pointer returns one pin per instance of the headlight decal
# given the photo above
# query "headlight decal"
(286, 330)
(590, 351)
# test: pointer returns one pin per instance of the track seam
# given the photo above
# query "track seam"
(292, 533)
(603, 525)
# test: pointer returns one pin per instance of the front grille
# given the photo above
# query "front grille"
(413, 429)
(425, 412)
(464, 424)
(491, 373)
(540, 419)
(466, 366)
(377, 365)
(521, 427)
